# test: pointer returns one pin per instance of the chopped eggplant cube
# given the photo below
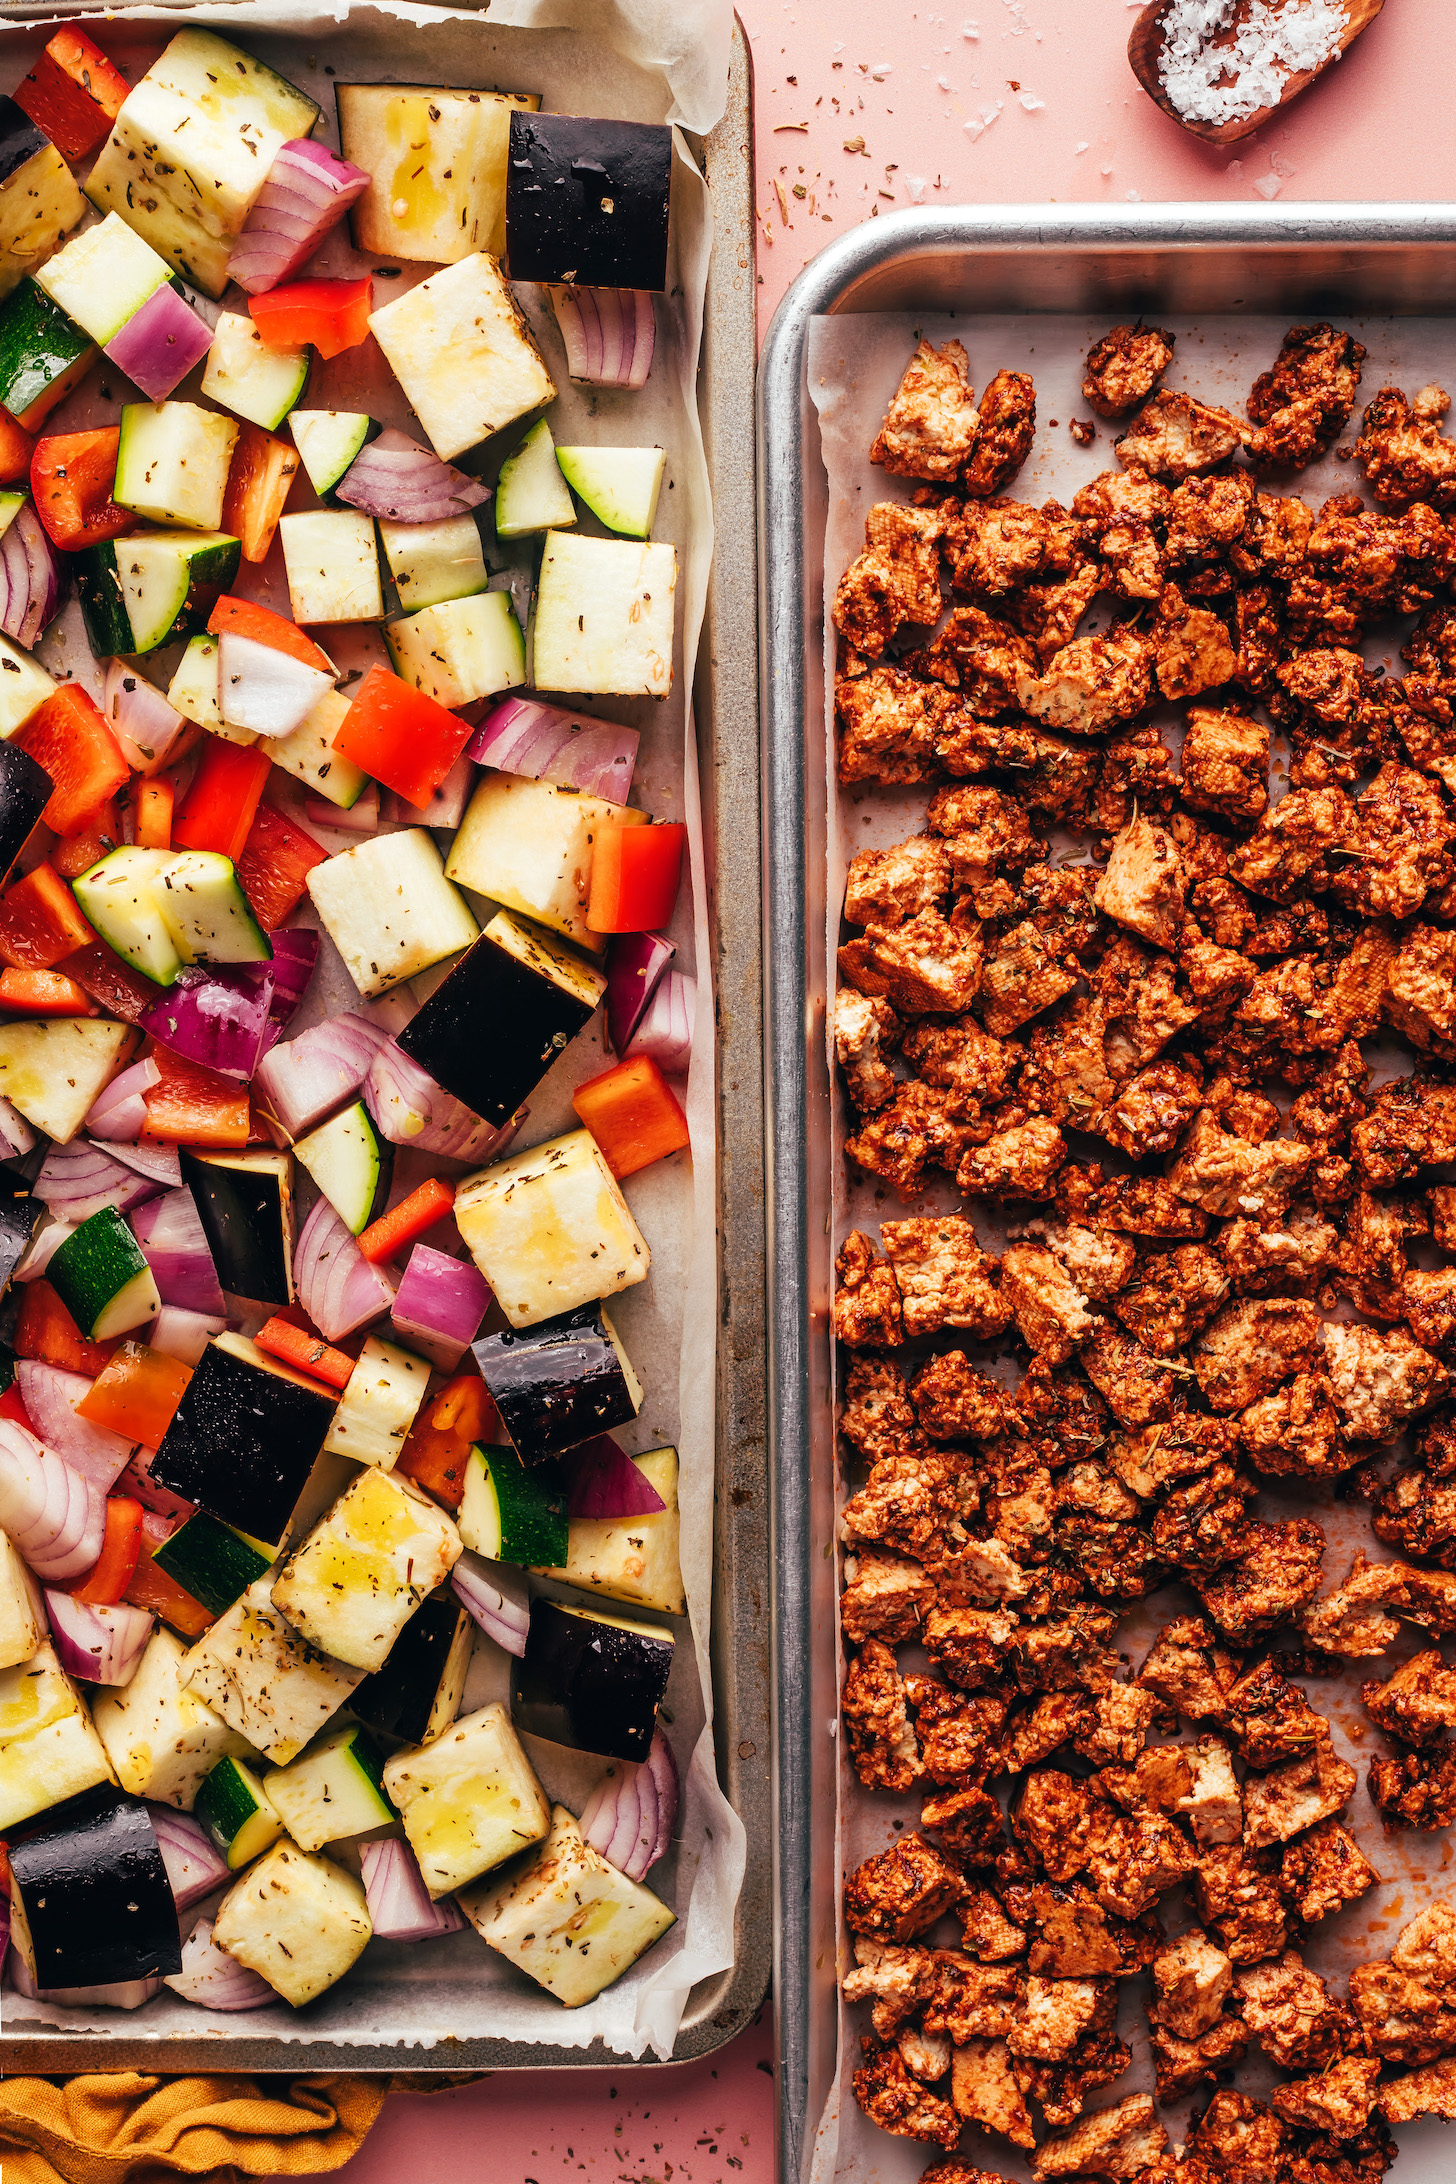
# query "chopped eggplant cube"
(501, 1015)
(591, 1681)
(245, 1204)
(98, 1905)
(587, 201)
(560, 1382)
(416, 1695)
(25, 790)
(243, 1441)
(19, 1213)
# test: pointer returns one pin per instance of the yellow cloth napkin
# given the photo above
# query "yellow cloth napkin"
(127, 2127)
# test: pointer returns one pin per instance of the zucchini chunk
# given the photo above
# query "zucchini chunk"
(417, 1693)
(270, 1685)
(121, 894)
(237, 1812)
(49, 1750)
(211, 1561)
(149, 589)
(43, 355)
(331, 1790)
(249, 378)
(102, 1279)
(502, 1015)
(605, 617)
(528, 844)
(463, 354)
(567, 1917)
(461, 650)
(531, 494)
(559, 1383)
(328, 441)
(389, 909)
(93, 1887)
(161, 1738)
(438, 159)
(591, 1681)
(468, 1801)
(587, 201)
(245, 1204)
(172, 463)
(379, 1405)
(550, 1230)
(244, 1438)
(22, 1621)
(510, 1514)
(54, 1072)
(431, 562)
(102, 278)
(309, 755)
(298, 1921)
(211, 918)
(332, 559)
(620, 485)
(352, 1166)
(625, 1558)
(364, 1570)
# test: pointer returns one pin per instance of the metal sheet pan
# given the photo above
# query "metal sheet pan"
(727, 725)
(1297, 260)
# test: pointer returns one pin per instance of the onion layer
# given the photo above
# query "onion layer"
(399, 1902)
(30, 578)
(439, 1305)
(120, 1111)
(195, 1865)
(16, 1135)
(130, 1994)
(178, 1333)
(496, 1600)
(336, 1285)
(78, 1180)
(630, 1815)
(100, 1645)
(217, 1017)
(50, 1397)
(411, 1109)
(213, 1979)
(609, 334)
(308, 191)
(306, 1078)
(544, 743)
(175, 1247)
(396, 478)
(159, 344)
(138, 715)
(635, 963)
(55, 1516)
(665, 1033)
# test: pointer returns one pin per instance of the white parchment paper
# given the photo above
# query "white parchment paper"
(685, 41)
(854, 364)
(457, 1988)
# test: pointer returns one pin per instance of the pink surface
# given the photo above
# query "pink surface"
(1038, 106)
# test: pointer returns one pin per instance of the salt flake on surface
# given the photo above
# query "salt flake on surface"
(970, 28)
(915, 187)
(1031, 102)
(975, 128)
(1084, 146)
(1269, 185)
(1229, 80)
(880, 70)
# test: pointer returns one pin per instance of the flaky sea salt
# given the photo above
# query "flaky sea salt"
(1212, 82)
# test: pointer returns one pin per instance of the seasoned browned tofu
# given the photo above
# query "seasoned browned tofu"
(1004, 435)
(1324, 1869)
(1192, 1978)
(1404, 453)
(1091, 684)
(1305, 401)
(1277, 1572)
(1291, 2013)
(945, 1278)
(1118, 2142)
(866, 1029)
(922, 967)
(983, 2089)
(930, 425)
(901, 1891)
(1381, 1378)
(1295, 1796)
(1143, 886)
(1174, 437)
(889, 725)
(1226, 764)
(1192, 650)
(881, 1740)
(885, 1596)
(1125, 366)
(895, 580)
(897, 2102)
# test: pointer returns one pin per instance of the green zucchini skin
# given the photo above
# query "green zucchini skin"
(399, 1698)
(94, 1265)
(95, 1892)
(37, 343)
(234, 1808)
(103, 609)
(210, 1561)
(589, 1681)
(242, 1443)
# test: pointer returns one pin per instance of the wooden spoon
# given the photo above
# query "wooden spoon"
(1145, 51)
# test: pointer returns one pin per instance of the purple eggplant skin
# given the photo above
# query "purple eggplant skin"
(94, 1888)
(241, 1212)
(557, 1383)
(587, 201)
(399, 1697)
(19, 1214)
(25, 790)
(590, 1682)
(20, 139)
(491, 1029)
(242, 1443)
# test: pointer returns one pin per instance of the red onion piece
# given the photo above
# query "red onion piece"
(446, 807)
(496, 1600)
(295, 959)
(544, 743)
(175, 1247)
(635, 962)
(308, 191)
(78, 1180)
(42, 1249)
(138, 715)
(609, 334)
(179, 1333)
(54, 1515)
(97, 1644)
(439, 1305)
(195, 1865)
(360, 818)
(666, 1030)
(217, 1016)
(630, 1815)
(336, 1285)
(50, 1397)
(606, 1483)
(160, 1164)
(213, 1979)
(30, 578)
(308, 1077)
(159, 344)
(396, 478)
(16, 1134)
(411, 1109)
(399, 1902)
(129, 1994)
(156, 1530)
(137, 1481)
(120, 1111)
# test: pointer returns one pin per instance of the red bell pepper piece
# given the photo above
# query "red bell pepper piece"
(68, 735)
(305, 1352)
(16, 448)
(44, 993)
(120, 1547)
(403, 738)
(261, 471)
(275, 864)
(632, 1114)
(71, 477)
(191, 1105)
(154, 813)
(218, 809)
(245, 618)
(12, 1407)
(634, 877)
(440, 1441)
(44, 1329)
(333, 315)
(94, 836)
(136, 1394)
(74, 94)
(154, 1589)
(121, 991)
(40, 924)
(387, 1237)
